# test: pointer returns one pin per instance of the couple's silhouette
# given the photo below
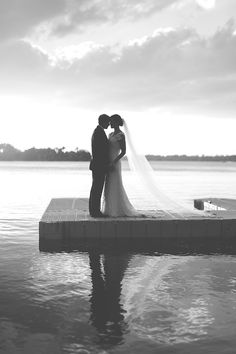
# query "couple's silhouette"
(106, 170)
(107, 312)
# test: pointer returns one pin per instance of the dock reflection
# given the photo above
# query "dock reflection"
(107, 312)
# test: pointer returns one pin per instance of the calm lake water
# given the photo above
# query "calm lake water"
(110, 302)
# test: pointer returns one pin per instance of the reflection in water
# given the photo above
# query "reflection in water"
(107, 313)
(154, 303)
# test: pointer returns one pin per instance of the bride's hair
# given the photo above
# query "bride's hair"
(118, 119)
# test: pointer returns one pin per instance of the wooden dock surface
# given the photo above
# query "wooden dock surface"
(67, 220)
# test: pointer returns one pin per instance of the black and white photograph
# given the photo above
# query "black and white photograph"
(117, 176)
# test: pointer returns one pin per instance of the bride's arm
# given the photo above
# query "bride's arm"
(122, 148)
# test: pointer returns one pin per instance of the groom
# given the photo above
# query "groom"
(99, 165)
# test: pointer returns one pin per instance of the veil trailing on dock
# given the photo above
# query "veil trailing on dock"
(148, 179)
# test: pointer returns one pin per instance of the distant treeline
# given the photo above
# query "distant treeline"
(9, 153)
(222, 158)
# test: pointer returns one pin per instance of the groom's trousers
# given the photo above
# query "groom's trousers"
(96, 192)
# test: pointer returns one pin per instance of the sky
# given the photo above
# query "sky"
(168, 67)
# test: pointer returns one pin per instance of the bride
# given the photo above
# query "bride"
(116, 203)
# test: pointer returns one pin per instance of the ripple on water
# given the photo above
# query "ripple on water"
(111, 302)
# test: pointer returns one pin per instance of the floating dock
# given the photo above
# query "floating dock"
(67, 221)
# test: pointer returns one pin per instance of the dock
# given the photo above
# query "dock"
(67, 222)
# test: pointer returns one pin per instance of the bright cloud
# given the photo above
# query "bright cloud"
(206, 4)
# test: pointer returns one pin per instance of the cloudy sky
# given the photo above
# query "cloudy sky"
(168, 66)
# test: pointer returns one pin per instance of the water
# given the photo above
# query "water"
(110, 302)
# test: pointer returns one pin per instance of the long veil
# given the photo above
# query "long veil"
(148, 179)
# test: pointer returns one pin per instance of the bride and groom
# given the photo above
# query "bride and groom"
(106, 170)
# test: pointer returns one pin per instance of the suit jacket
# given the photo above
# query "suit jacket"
(100, 151)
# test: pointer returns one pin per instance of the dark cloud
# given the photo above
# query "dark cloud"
(82, 13)
(176, 69)
(19, 17)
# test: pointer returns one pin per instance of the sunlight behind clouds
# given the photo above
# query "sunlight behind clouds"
(72, 53)
(206, 4)
(56, 125)
(66, 61)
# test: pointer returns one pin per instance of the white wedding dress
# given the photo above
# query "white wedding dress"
(116, 202)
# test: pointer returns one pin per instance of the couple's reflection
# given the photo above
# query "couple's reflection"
(107, 313)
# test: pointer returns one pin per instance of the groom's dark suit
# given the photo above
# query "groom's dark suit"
(99, 166)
